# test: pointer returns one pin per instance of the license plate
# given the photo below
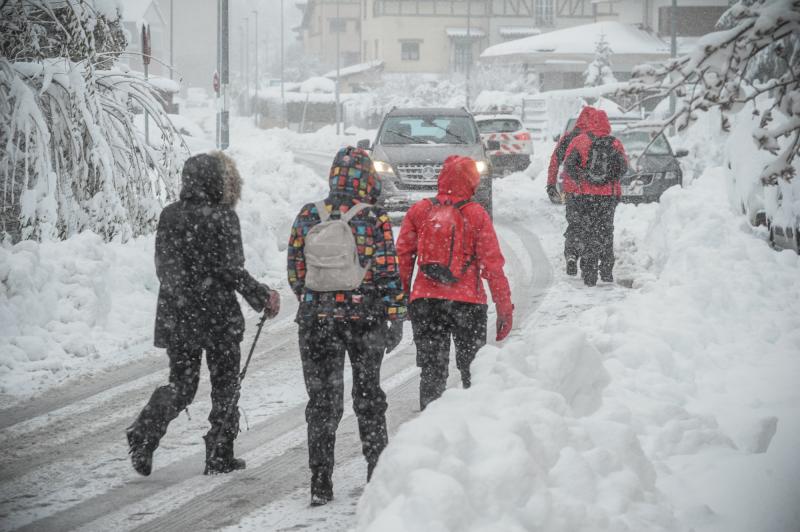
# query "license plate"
(634, 189)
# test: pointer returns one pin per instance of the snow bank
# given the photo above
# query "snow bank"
(617, 409)
(80, 306)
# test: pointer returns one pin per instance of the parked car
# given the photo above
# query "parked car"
(783, 215)
(516, 146)
(410, 149)
(653, 166)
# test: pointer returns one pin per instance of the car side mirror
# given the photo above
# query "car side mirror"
(363, 144)
(492, 145)
(681, 153)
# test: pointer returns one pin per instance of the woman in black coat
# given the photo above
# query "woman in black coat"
(200, 265)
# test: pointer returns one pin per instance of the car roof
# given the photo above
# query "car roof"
(428, 111)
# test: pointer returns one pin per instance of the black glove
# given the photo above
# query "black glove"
(553, 193)
(394, 334)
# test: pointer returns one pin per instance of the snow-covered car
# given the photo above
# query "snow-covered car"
(411, 146)
(516, 146)
(783, 214)
(653, 166)
(196, 97)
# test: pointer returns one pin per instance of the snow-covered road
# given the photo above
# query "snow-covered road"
(65, 463)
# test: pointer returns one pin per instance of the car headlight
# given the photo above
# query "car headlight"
(671, 176)
(383, 167)
(483, 167)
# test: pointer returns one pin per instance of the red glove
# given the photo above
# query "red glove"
(505, 320)
(273, 305)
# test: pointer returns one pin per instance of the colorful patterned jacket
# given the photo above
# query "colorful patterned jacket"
(380, 296)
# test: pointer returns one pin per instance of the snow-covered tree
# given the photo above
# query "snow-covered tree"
(71, 155)
(599, 70)
(721, 72)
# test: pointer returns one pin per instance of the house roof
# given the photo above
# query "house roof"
(622, 38)
(352, 70)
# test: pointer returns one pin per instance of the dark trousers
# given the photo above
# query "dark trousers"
(590, 232)
(435, 322)
(323, 344)
(167, 402)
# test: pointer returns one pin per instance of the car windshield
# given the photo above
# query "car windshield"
(636, 141)
(428, 130)
(499, 125)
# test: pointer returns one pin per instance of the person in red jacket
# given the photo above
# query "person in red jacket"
(458, 309)
(571, 242)
(591, 205)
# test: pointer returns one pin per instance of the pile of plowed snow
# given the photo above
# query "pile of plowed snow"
(615, 408)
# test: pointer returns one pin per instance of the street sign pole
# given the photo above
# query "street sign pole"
(146, 63)
(223, 114)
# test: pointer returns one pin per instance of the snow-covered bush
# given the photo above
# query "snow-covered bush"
(599, 70)
(717, 74)
(72, 158)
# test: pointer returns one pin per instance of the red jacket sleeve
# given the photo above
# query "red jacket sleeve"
(407, 245)
(491, 262)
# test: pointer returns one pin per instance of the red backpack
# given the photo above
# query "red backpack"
(441, 249)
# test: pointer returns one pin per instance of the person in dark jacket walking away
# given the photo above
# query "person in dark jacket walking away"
(200, 265)
(354, 306)
(449, 304)
(594, 163)
(571, 241)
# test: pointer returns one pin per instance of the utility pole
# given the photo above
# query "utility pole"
(247, 106)
(673, 53)
(146, 52)
(255, 60)
(469, 49)
(223, 114)
(338, 64)
(171, 38)
(283, 95)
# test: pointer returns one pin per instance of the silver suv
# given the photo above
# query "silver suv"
(411, 147)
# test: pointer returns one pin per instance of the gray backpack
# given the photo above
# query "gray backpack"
(332, 262)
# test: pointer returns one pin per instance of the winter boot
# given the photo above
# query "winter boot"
(590, 277)
(322, 486)
(141, 451)
(223, 460)
(606, 277)
(572, 266)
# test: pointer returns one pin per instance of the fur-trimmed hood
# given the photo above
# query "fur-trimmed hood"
(231, 179)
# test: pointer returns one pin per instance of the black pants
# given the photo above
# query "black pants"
(323, 344)
(167, 402)
(435, 322)
(590, 232)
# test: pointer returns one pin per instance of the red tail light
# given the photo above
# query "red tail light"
(523, 136)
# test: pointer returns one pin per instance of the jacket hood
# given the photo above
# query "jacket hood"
(201, 179)
(584, 118)
(353, 175)
(598, 123)
(231, 179)
(459, 178)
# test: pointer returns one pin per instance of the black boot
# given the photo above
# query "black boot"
(606, 277)
(466, 378)
(141, 450)
(221, 461)
(590, 278)
(321, 486)
(572, 266)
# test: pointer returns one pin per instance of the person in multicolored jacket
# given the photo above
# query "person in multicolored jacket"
(332, 323)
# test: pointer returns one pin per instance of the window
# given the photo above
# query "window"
(499, 125)
(409, 50)
(544, 12)
(462, 57)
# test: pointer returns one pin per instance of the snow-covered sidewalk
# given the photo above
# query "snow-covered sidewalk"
(668, 406)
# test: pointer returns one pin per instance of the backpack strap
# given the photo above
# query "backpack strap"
(322, 210)
(353, 211)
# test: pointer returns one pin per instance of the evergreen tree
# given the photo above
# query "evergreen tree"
(599, 71)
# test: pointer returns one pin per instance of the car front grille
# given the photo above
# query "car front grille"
(646, 179)
(419, 173)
